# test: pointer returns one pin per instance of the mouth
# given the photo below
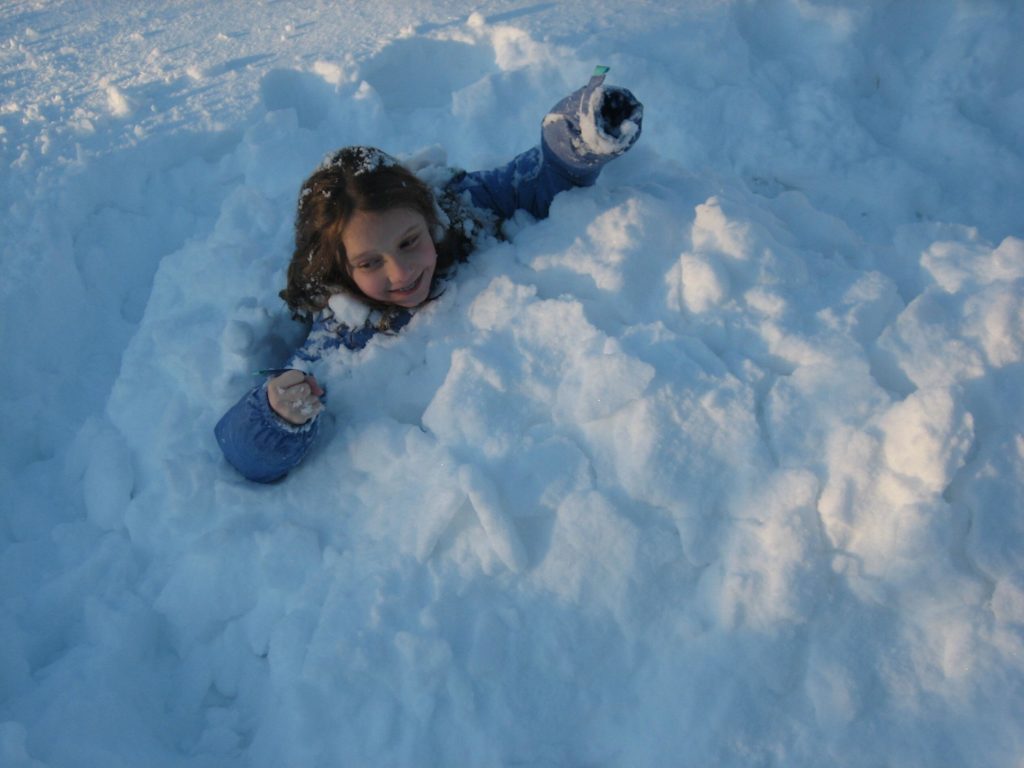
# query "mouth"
(405, 290)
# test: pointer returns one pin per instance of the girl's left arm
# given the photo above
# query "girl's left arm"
(582, 133)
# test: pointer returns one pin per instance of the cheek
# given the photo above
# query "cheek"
(429, 257)
(368, 283)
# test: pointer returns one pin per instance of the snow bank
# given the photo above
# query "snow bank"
(720, 464)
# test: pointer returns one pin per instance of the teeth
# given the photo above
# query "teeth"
(406, 288)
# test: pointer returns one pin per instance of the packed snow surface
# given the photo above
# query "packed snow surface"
(721, 464)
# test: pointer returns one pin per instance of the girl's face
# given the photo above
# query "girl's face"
(391, 255)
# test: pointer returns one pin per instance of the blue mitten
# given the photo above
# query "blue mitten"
(591, 126)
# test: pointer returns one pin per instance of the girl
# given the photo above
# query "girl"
(368, 229)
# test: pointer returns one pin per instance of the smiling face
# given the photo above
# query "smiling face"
(390, 255)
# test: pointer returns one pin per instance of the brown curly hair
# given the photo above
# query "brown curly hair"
(355, 179)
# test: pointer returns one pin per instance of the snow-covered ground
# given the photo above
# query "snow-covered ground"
(721, 464)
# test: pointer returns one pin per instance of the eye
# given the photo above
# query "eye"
(368, 265)
(410, 241)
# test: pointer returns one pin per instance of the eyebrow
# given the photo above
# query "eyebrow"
(353, 260)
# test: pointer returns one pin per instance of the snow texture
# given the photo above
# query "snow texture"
(721, 464)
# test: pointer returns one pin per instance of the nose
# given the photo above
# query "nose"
(399, 271)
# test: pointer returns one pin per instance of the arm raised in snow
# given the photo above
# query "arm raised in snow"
(589, 127)
(583, 132)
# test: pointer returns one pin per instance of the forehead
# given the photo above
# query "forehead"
(378, 230)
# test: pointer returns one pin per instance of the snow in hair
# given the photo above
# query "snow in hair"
(359, 160)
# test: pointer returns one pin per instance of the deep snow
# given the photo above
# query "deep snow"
(721, 464)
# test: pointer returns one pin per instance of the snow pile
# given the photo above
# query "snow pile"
(721, 464)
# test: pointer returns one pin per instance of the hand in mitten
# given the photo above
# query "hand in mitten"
(592, 125)
(295, 396)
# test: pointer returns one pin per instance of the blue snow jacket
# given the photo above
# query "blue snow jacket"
(261, 445)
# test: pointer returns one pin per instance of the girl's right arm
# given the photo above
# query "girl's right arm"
(260, 439)
(258, 442)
